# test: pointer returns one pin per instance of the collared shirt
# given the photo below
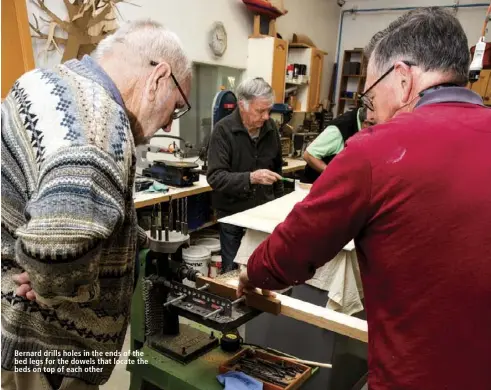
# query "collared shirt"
(330, 141)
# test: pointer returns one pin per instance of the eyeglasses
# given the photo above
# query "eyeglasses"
(366, 101)
(178, 112)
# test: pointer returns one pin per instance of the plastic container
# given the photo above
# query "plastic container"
(197, 257)
(215, 266)
(213, 244)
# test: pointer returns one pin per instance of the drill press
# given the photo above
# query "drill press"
(175, 350)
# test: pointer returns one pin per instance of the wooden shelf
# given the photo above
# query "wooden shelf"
(305, 46)
(299, 46)
(354, 55)
(292, 82)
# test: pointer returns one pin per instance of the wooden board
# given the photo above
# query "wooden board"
(266, 217)
(294, 165)
(312, 314)
(266, 304)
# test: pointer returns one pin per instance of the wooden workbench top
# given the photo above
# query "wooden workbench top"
(143, 200)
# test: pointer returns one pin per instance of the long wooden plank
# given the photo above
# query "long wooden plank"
(312, 314)
(266, 304)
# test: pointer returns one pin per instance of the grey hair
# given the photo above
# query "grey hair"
(430, 37)
(254, 88)
(140, 42)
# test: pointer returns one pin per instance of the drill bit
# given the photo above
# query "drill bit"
(160, 218)
(166, 226)
(153, 232)
(171, 215)
(185, 218)
(178, 223)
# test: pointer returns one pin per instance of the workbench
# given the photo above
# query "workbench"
(143, 200)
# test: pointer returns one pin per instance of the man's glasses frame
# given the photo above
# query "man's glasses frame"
(178, 113)
(366, 101)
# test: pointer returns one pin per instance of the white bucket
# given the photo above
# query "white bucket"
(215, 266)
(197, 257)
(213, 244)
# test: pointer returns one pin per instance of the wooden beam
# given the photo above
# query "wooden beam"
(266, 304)
(321, 317)
(272, 28)
(257, 26)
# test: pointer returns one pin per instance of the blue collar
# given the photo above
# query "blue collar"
(89, 68)
(450, 94)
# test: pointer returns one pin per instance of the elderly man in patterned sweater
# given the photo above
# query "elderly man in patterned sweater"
(69, 229)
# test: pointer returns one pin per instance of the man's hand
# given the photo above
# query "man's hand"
(24, 289)
(264, 176)
(245, 286)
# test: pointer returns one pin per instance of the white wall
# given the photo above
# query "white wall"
(191, 20)
(357, 30)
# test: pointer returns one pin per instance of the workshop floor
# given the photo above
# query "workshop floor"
(120, 378)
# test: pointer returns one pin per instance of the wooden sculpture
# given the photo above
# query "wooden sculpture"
(89, 22)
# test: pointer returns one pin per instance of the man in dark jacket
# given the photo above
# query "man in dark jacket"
(244, 161)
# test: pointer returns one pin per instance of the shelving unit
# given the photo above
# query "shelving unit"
(308, 92)
(351, 82)
(268, 58)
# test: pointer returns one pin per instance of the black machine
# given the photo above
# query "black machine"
(166, 298)
(174, 173)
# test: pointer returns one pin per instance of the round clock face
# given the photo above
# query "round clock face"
(218, 39)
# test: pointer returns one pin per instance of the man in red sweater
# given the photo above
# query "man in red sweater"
(415, 193)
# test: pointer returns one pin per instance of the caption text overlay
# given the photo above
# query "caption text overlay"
(69, 362)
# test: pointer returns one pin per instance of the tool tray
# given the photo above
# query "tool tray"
(291, 382)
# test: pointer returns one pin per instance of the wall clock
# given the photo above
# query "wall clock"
(218, 39)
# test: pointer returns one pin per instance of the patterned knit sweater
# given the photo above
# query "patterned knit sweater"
(68, 217)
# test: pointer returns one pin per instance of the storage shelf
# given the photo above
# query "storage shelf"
(296, 82)
(347, 79)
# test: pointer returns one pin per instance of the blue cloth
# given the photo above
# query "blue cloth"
(234, 380)
(156, 187)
